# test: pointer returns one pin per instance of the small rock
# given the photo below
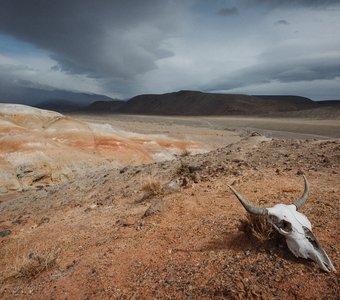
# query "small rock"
(255, 134)
(185, 182)
(5, 233)
(193, 168)
(18, 221)
(171, 187)
(17, 290)
(43, 220)
(146, 196)
(237, 173)
(250, 268)
(235, 182)
(129, 221)
(300, 172)
(326, 160)
(91, 207)
(155, 208)
(121, 171)
(277, 293)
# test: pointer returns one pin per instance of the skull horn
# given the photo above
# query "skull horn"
(251, 209)
(303, 199)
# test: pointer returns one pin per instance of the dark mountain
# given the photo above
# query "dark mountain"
(199, 103)
(104, 106)
(177, 103)
(45, 98)
(59, 105)
(329, 102)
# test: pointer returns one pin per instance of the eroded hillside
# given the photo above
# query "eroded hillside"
(40, 147)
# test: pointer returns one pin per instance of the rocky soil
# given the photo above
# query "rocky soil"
(172, 230)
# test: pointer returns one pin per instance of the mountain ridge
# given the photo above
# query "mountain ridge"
(196, 103)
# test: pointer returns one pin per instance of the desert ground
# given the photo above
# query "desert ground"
(171, 229)
(191, 127)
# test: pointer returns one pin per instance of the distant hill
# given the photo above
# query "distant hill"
(48, 99)
(199, 103)
(104, 106)
(194, 103)
(59, 105)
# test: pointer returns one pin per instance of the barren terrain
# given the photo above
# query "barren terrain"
(172, 229)
(40, 147)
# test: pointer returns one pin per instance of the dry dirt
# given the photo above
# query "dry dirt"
(129, 234)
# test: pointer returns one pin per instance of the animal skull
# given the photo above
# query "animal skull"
(295, 227)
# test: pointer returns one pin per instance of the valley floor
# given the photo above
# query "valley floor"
(214, 128)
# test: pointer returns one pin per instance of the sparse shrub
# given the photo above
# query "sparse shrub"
(259, 227)
(188, 172)
(183, 169)
(184, 153)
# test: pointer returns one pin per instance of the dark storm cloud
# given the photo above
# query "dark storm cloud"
(227, 11)
(126, 47)
(98, 38)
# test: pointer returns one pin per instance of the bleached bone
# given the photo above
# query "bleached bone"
(294, 226)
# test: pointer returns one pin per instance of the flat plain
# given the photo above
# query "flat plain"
(182, 127)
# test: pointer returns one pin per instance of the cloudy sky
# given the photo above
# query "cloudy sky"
(127, 47)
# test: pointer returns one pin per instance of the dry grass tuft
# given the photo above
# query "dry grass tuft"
(259, 227)
(152, 186)
(34, 263)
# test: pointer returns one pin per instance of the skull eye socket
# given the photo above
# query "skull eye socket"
(286, 226)
(280, 223)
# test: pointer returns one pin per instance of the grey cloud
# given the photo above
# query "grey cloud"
(288, 70)
(295, 3)
(98, 38)
(281, 22)
(227, 11)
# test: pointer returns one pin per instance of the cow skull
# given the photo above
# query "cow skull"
(294, 226)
